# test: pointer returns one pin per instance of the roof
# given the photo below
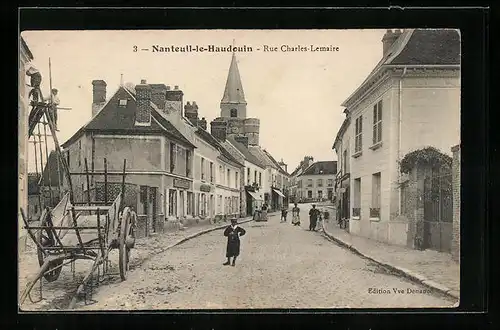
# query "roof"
(280, 169)
(50, 171)
(341, 131)
(33, 187)
(26, 48)
(225, 155)
(233, 93)
(261, 156)
(246, 152)
(418, 47)
(321, 168)
(121, 119)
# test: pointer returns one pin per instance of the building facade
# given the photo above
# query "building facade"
(25, 57)
(303, 165)
(410, 100)
(159, 159)
(317, 182)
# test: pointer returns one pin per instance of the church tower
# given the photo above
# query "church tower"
(233, 104)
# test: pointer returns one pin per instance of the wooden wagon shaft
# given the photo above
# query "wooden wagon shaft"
(100, 259)
(64, 227)
(43, 269)
(30, 233)
(100, 173)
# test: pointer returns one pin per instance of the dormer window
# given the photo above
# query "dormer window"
(123, 103)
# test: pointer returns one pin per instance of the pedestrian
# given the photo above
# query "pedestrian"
(53, 103)
(233, 233)
(284, 212)
(296, 215)
(313, 217)
(319, 223)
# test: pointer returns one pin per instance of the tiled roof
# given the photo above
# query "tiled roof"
(225, 155)
(418, 47)
(261, 156)
(280, 169)
(246, 152)
(325, 167)
(114, 118)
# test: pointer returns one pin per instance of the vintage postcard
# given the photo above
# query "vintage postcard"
(239, 169)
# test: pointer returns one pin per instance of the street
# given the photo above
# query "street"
(280, 266)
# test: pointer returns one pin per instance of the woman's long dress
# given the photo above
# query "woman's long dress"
(233, 240)
(295, 216)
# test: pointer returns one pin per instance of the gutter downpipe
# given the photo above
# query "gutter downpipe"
(399, 137)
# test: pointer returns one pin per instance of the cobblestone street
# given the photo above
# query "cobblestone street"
(281, 266)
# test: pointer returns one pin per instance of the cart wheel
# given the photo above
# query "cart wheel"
(46, 239)
(125, 231)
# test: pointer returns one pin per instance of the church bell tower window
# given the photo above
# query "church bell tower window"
(234, 113)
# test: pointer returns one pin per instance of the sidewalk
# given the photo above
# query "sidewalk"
(431, 268)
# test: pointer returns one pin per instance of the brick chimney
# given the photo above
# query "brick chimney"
(242, 139)
(158, 95)
(202, 124)
(218, 129)
(191, 112)
(389, 38)
(175, 99)
(98, 95)
(143, 93)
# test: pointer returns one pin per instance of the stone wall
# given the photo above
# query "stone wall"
(455, 241)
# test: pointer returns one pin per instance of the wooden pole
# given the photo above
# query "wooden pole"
(41, 165)
(105, 182)
(123, 184)
(47, 164)
(36, 171)
(88, 181)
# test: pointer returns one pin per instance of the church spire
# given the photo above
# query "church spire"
(233, 92)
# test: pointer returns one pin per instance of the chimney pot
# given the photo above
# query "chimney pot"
(143, 82)
(168, 88)
(176, 87)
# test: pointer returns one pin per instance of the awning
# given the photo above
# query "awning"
(255, 195)
(278, 192)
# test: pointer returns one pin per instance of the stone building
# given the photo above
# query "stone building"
(316, 183)
(303, 165)
(132, 126)
(409, 101)
(25, 57)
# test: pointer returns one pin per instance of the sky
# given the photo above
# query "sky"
(296, 95)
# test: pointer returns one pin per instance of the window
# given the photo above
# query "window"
(309, 182)
(330, 182)
(248, 176)
(236, 179)
(260, 179)
(123, 103)
(309, 194)
(80, 153)
(234, 113)
(181, 202)
(377, 122)
(299, 184)
(198, 204)
(203, 205)
(202, 168)
(188, 164)
(228, 177)
(172, 202)
(67, 159)
(344, 162)
(356, 210)
(358, 144)
(173, 156)
(255, 177)
(221, 174)
(320, 182)
(320, 194)
(189, 206)
(211, 172)
(375, 209)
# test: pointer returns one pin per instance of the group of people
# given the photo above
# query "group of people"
(233, 232)
(35, 94)
(315, 217)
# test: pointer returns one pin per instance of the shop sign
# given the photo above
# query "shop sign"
(183, 184)
(205, 187)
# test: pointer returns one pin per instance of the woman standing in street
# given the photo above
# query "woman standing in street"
(296, 215)
(233, 233)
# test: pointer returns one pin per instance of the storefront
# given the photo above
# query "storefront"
(255, 199)
(277, 199)
(178, 198)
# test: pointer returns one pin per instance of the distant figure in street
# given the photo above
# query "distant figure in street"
(313, 217)
(233, 233)
(296, 215)
(284, 212)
